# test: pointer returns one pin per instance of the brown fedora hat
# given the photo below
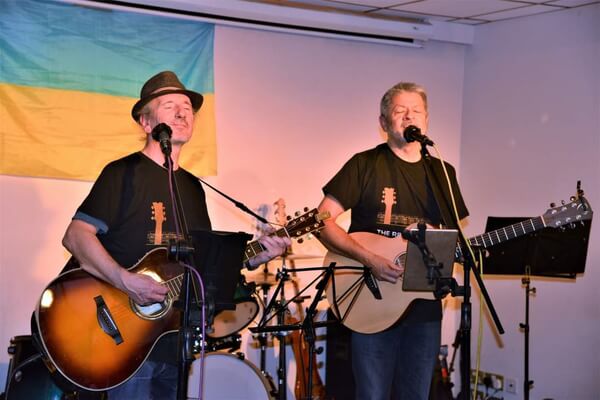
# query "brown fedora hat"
(165, 82)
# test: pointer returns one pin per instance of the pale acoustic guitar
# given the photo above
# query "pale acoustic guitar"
(97, 337)
(360, 311)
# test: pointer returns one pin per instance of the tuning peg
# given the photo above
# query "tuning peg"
(288, 217)
(552, 205)
(562, 202)
(297, 213)
(306, 209)
(300, 240)
(573, 198)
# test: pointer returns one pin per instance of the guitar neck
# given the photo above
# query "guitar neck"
(498, 236)
(255, 247)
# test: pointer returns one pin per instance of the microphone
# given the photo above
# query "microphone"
(413, 134)
(162, 134)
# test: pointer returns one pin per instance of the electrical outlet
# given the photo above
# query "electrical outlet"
(497, 382)
(511, 385)
(488, 379)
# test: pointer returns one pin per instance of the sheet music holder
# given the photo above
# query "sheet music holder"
(442, 245)
(219, 257)
(548, 252)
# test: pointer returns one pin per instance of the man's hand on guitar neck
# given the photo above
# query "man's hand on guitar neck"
(274, 246)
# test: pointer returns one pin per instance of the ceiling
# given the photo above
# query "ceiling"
(471, 12)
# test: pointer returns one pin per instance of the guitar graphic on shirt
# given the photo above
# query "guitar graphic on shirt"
(389, 199)
(158, 216)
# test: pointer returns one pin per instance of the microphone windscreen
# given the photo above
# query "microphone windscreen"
(161, 130)
(411, 133)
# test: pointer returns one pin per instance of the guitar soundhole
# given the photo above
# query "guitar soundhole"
(151, 311)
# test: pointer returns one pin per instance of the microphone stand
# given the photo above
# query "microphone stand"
(180, 250)
(465, 290)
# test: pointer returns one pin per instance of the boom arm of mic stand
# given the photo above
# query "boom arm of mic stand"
(238, 204)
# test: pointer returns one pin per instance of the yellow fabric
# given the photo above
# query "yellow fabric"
(72, 135)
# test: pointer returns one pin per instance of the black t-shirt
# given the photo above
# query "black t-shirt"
(131, 206)
(386, 193)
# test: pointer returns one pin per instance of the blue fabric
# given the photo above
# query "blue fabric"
(397, 363)
(48, 43)
(153, 381)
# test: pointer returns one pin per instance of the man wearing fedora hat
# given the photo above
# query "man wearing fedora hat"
(128, 212)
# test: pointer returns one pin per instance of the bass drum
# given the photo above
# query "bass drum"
(228, 377)
(228, 322)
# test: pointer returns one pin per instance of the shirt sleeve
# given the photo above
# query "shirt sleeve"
(101, 206)
(344, 185)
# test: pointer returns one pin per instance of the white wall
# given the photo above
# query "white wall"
(531, 129)
(290, 110)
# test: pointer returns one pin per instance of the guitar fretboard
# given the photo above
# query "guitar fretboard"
(174, 286)
(492, 238)
(254, 248)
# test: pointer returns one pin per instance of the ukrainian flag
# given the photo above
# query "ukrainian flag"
(70, 74)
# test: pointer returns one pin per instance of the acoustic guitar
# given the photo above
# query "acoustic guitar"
(360, 311)
(97, 337)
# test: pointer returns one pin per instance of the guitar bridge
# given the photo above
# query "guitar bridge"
(106, 321)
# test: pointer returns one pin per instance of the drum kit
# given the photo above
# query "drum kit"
(228, 374)
(224, 364)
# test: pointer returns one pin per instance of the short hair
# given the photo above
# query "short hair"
(386, 100)
(145, 111)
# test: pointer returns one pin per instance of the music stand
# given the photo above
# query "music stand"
(218, 257)
(442, 245)
(549, 252)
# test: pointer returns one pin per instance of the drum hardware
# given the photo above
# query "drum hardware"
(277, 307)
(229, 343)
(229, 322)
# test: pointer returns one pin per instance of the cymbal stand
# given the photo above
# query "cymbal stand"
(527, 383)
(262, 337)
(308, 326)
(282, 367)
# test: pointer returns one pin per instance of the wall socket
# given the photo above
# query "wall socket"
(511, 385)
(488, 379)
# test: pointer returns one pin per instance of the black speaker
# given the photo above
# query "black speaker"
(339, 381)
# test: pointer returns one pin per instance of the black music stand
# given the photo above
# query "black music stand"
(218, 257)
(550, 252)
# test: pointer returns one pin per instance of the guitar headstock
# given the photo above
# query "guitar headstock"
(158, 212)
(310, 221)
(388, 196)
(578, 210)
